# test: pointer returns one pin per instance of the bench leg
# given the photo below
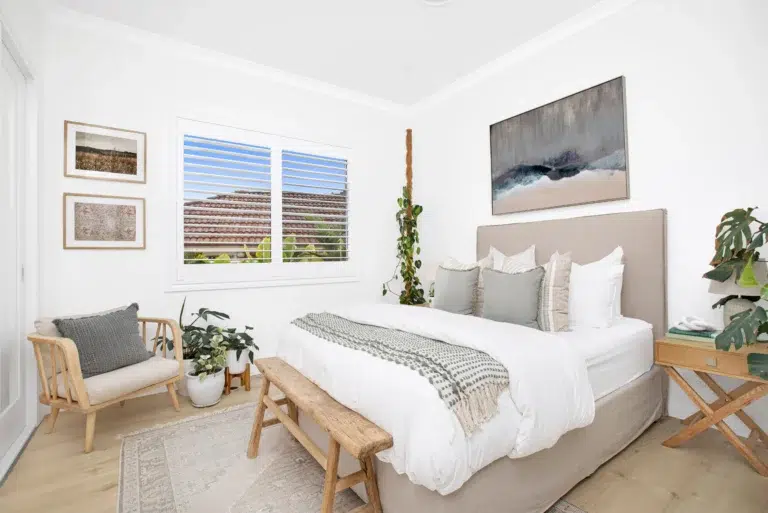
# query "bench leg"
(331, 476)
(293, 411)
(253, 445)
(371, 485)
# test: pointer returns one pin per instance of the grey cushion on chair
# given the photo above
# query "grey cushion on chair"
(45, 326)
(106, 342)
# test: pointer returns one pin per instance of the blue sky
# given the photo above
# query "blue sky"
(247, 167)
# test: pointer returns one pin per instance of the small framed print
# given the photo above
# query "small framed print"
(103, 153)
(104, 222)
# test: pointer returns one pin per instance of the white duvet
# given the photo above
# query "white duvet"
(549, 392)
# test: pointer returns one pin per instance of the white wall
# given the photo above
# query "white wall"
(696, 108)
(102, 73)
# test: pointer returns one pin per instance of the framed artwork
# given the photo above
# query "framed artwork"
(568, 152)
(103, 153)
(103, 222)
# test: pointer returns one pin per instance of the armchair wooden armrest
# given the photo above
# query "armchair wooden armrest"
(160, 340)
(60, 356)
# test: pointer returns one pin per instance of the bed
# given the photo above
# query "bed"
(629, 394)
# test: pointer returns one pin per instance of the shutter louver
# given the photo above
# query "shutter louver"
(314, 193)
(227, 202)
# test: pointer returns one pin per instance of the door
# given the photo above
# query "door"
(13, 400)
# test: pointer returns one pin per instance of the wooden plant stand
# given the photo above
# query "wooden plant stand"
(705, 359)
(245, 379)
(357, 435)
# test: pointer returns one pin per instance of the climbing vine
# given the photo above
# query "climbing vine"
(408, 249)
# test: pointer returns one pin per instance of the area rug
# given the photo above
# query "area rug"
(199, 465)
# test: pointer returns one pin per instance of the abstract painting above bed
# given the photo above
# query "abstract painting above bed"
(568, 152)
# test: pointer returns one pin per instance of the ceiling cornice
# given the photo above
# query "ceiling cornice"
(573, 25)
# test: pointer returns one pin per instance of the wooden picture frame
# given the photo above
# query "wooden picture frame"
(97, 152)
(94, 221)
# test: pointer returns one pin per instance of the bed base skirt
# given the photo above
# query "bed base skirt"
(534, 483)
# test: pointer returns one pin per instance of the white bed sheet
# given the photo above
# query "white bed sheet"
(616, 355)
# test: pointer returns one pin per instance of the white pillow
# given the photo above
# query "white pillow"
(519, 263)
(595, 292)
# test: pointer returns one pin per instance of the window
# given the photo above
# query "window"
(227, 202)
(314, 208)
(272, 208)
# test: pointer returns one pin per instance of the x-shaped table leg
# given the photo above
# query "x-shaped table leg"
(714, 414)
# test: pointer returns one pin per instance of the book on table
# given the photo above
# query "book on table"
(696, 336)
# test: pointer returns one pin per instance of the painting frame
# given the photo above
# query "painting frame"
(71, 129)
(69, 221)
(622, 131)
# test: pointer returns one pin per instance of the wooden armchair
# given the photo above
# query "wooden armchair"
(64, 388)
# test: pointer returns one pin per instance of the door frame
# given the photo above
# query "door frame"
(29, 220)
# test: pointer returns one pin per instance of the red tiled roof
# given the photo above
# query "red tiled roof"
(244, 217)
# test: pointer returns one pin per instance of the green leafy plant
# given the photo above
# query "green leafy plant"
(239, 341)
(739, 237)
(408, 248)
(199, 339)
(210, 362)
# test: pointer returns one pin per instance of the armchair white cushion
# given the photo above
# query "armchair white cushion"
(117, 383)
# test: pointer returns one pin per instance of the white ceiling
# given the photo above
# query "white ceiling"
(398, 50)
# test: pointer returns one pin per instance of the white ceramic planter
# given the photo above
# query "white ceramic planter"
(182, 385)
(207, 392)
(236, 365)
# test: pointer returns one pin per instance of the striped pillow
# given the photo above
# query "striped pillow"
(553, 298)
(519, 263)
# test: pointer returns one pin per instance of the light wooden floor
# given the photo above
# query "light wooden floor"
(706, 475)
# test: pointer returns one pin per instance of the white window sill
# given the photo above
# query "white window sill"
(283, 282)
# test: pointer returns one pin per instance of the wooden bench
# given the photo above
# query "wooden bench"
(357, 435)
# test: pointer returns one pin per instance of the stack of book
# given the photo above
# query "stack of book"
(696, 336)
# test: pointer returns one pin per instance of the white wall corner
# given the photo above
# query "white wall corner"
(559, 32)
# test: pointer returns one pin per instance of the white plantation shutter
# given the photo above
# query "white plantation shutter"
(315, 208)
(227, 201)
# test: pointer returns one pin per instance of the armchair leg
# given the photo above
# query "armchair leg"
(90, 430)
(52, 419)
(174, 399)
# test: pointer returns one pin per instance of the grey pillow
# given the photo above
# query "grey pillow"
(455, 290)
(106, 342)
(513, 298)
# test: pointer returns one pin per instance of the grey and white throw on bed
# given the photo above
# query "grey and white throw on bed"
(467, 380)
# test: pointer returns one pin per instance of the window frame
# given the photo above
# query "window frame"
(275, 273)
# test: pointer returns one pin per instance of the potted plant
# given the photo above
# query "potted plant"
(195, 338)
(240, 348)
(739, 238)
(205, 382)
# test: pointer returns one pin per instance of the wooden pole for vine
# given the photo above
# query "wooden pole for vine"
(409, 191)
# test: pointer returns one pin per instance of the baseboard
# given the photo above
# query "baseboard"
(10, 458)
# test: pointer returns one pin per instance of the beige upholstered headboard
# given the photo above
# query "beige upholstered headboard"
(641, 234)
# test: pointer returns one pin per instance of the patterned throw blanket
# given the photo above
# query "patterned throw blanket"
(467, 380)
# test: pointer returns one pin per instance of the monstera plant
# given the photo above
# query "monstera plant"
(740, 236)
